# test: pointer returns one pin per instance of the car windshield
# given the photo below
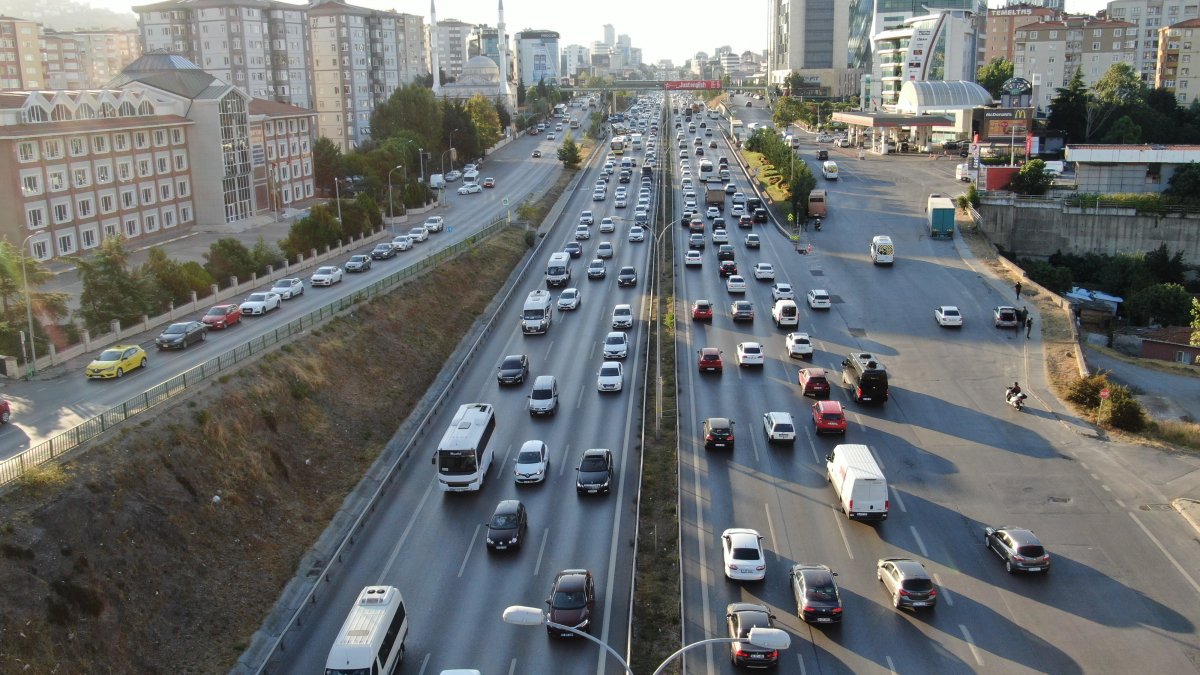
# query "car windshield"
(325, 270)
(831, 417)
(529, 457)
(542, 394)
(592, 464)
(742, 553)
(503, 521)
(109, 355)
(1031, 551)
(752, 350)
(824, 591)
(511, 364)
(784, 428)
(610, 370)
(615, 339)
(175, 329)
(918, 585)
(569, 599)
(216, 311)
(257, 297)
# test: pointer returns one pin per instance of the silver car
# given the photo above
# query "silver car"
(907, 582)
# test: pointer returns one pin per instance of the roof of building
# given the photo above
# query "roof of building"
(1175, 335)
(262, 106)
(172, 73)
(1187, 23)
(1132, 154)
(920, 95)
(883, 119)
(203, 4)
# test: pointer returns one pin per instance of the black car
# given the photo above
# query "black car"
(725, 252)
(506, 529)
(182, 335)
(1019, 548)
(572, 599)
(740, 617)
(760, 215)
(950, 145)
(513, 369)
(728, 267)
(383, 251)
(595, 472)
(718, 433)
(822, 155)
(627, 277)
(753, 203)
(817, 596)
(573, 249)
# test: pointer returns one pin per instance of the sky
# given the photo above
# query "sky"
(663, 29)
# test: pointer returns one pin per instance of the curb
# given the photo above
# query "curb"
(1189, 509)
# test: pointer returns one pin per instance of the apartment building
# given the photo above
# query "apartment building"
(1000, 25)
(1048, 53)
(575, 58)
(451, 44)
(62, 62)
(259, 46)
(86, 59)
(537, 56)
(1148, 17)
(1178, 69)
(937, 47)
(281, 142)
(20, 54)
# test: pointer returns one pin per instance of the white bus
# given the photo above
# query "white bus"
(371, 640)
(465, 453)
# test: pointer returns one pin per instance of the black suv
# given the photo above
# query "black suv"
(595, 472)
(866, 377)
(718, 433)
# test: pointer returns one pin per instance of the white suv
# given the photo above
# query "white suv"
(434, 223)
(779, 427)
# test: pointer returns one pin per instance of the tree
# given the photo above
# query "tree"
(1162, 304)
(1119, 86)
(503, 114)
(568, 153)
(1167, 267)
(802, 183)
(265, 254)
(327, 164)
(227, 257)
(795, 83)
(50, 306)
(520, 91)
(1068, 109)
(111, 289)
(410, 108)
(319, 229)
(787, 110)
(1184, 184)
(993, 74)
(542, 91)
(485, 120)
(168, 286)
(1032, 179)
(1123, 132)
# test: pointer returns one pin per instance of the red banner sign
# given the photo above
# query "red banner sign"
(691, 84)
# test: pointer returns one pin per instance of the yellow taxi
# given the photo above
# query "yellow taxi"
(116, 361)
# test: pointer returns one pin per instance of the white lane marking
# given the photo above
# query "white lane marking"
(424, 664)
(579, 399)
(504, 462)
(1120, 503)
(512, 666)
(970, 642)
(754, 446)
(541, 550)
(771, 528)
(549, 348)
(1182, 571)
(383, 573)
(562, 466)
(1085, 466)
(891, 666)
(812, 446)
(837, 520)
(942, 591)
(1094, 477)
(877, 460)
(1105, 488)
(920, 544)
(899, 501)
(800, 662)
(470, 547)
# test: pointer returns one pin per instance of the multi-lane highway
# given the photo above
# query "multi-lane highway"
(1122, 596)
(46, 407)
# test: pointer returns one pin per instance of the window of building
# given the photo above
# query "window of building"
(165, 191)
(99, 144)
(164, 166)
(180, 161)
(132, 226)
(27, 151)
(160, 137)
(84, 207)
(147, 195)
(35, 217)
(62, 212)
(31, 184)
(1096, 46)
(57, 179)
(141, 140)
(185, 214)
(82, 177)
(107, 203)
(66, 243)
(78, 146)
(88, 237)
(168, 218)
(177, 136)
(110, 229)
(41, 249)
(121, 141)
(181, 187)
(151, 222)
(144, 168)
(52, 149)
(128, 198)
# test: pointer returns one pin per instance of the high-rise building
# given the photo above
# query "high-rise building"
(259, 46)
(62, 62)
(86, 59)
(1147, 17)
(574, 59)
(610, 34)
(1000, 24)
(1050, 52)
(358, 60)
(935, 47)
(452, 38)
(21, 54)
(1178, 50)
(808, 35)
(537, 56)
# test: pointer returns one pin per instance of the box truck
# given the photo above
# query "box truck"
(940, 212)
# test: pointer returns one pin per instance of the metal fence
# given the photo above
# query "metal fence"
(13, 468)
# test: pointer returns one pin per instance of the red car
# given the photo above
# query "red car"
(710, 360)
(814, 383)
(5, 411)
(222, 316)
(702, 310)
(489, 182)
(828, 417)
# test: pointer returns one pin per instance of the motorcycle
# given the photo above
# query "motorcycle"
(817, 224)
(1016, 400)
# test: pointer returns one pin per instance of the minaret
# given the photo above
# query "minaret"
(508, 100)
(433, 51)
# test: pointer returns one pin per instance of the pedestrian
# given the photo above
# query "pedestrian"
(1017, 288)
(1028, 327)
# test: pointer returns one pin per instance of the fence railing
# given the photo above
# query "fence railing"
(17, 466)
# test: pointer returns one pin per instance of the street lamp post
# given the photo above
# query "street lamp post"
(337, 195)
(767, 638)
(29, 309)
(451, 150)
(391, 208)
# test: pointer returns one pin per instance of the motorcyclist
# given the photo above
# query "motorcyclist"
(1013, 392)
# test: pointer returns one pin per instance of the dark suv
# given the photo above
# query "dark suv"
(718, 433)
(866, 377)
(572, 599)
(595, 472)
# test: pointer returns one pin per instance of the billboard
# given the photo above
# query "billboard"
(673, 85)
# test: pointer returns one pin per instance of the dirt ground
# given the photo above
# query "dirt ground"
(162, 547)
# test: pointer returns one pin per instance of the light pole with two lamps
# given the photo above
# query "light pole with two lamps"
(29, 308)
(767, 638)
(391, 207)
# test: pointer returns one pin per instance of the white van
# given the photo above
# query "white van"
(537, 313)
(785, 313)
(372, 638)
(829, 170)
(882, 250)
(558, 270)
(858, 481)
(471, 176)
(964, 173)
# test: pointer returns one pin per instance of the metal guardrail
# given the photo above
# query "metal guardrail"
(17, 466)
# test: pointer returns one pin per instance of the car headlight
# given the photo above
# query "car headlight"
(513, 540)
(490, 541)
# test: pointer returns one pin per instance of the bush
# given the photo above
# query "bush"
(1122, 411)
(1056, 279)
(1086, 391)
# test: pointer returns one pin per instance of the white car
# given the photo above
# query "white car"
(288, 288)
(327, 276)
(260, 303)
(689, 205)
(782, 291)
(434, 224)
(599, 195)
(569, 299)
(735, 284)
(616, 345)
(750, 354)
(738, 198)
(637, 233)
(720, 236)
(582, 232)
(586, 218)
(620, 203)
(551, 136)
(470, 188)
(819, 299)
(737, 211)
(611, 377)
(622, 316)
(402, 242)
(418, 234)
(764, 271)
(779, 427)
(533, 461)
(799, 346)
(742, 552)
(693, 257)
(607, 224)
(712, 212)
(948, 316)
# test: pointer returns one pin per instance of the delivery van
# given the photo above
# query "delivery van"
(818, 206)
(785, 313)
(372, 638)
(882, 250)
(558, 270)
(858, 481)
(829, 170)
(963, 172)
